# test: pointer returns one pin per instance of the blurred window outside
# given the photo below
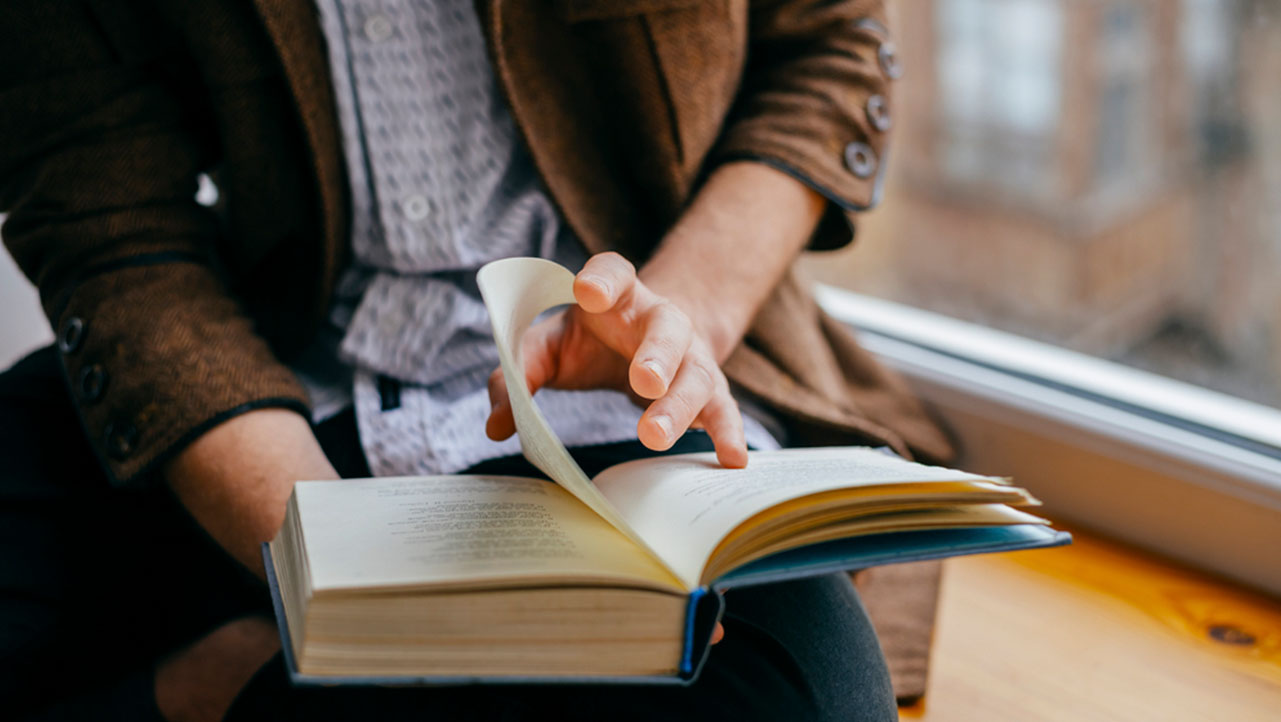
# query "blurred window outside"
(1076, 259)
(1103, 175)
(999, 65)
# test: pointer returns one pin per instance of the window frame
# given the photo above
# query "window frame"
(1170, 467)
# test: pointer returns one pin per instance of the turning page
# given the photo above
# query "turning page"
(516, 291)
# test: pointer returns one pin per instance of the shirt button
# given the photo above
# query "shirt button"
(878, 113)
(887, 56)
(71, 334)
(378, 28)
(860, 159)
(120, 439)
(416, 207)
(91, 382)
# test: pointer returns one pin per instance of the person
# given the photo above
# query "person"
(320, 318)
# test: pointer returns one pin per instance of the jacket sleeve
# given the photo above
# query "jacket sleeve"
(99, 157)
(814, 103)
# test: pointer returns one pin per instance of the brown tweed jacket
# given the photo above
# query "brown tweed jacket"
(172, 316)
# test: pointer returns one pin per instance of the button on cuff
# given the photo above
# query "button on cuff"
(120, 439)
(71, 335)
(860, 159)
(887, 57)
(878, 113)
(91, 382)
(872, 25)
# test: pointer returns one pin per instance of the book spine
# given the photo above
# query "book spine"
(691, 619)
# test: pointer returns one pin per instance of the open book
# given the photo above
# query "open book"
(452, 579)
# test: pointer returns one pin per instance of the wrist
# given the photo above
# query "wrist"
(731, 247)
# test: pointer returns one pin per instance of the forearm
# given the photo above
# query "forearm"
(731, 248)
(236, 479)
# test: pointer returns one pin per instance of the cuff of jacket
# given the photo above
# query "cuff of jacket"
(154, 356)
(824, 122)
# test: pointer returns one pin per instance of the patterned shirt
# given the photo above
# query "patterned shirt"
(440, 185)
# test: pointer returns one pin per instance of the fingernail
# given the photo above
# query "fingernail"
(664, 425)
(654, 368)
(599, 283)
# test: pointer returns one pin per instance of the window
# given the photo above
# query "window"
(1100, 174)
(1077, 258)
(1123, 67)
(999, 68)
(1210, 61)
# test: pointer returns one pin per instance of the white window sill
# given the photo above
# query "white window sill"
(1171, 467)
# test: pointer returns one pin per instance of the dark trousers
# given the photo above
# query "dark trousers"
(98, 585)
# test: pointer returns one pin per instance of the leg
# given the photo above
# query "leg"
(95, 584)
(200, 682)
(802, 650)
(820, 627)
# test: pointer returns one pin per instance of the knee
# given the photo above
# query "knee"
(854, 684)
(820, 647)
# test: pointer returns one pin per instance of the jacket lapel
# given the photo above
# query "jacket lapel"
(545, 86)
(296, 36)
(552, 102)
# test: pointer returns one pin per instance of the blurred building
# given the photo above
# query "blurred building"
(1102, 174)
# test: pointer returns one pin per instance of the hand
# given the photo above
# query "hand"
(622, 335)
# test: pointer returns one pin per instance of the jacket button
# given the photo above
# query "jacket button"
(71, 335)
(878, 113)
(120, 439)
(92, 381)
(887, 56)
(872, 25)
(860, 159)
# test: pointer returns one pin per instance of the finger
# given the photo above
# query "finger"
(500, 424)
(537, 352)
(718, 633)
(606, 279)
(668, 417)
(668, 335)
(497, 387)
(540, 354)
(724, 424)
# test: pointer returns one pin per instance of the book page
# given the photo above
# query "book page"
(938, 517)
(516, 291)
(686, 503)
(403, 532)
